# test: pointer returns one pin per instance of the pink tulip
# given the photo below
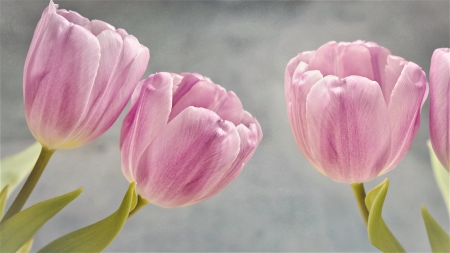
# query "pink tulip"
(185, 138)
(354, 108)
(440, 105)
(78, 77)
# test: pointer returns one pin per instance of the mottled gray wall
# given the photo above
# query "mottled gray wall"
(279, 202)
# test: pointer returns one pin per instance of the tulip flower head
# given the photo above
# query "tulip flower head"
(440, 105)
(354, 108)
(78, 77)
(185, 138)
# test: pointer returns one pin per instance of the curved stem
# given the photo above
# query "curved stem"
(360, 195)
(141, 202)
(31, 182)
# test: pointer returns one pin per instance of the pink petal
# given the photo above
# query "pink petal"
(348, 125)
(145, 119)
(378, 56)
(440, 105)
(292, 66)
(73, 17)
(405, 106)
(123, 79)
(187, 159)
(393, 70)
(98, 26)
(59, 73)
(205, 94)
(122, 32)
(343, 59)
(302, 82)
(250, 138)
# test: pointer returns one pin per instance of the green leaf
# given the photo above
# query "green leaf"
(441, 175)
(439, 240)
(379, 234)
(98, 236)
(27, 247)
(3, 197)
(17, 230)
(13, 169)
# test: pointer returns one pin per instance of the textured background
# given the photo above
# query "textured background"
(279, 202)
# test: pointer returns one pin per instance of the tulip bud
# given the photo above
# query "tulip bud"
(354, 108)
(78, 77)
(440, 105)
(185, 138)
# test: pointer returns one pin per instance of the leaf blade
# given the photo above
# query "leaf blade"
(3, 198)
(14, 168)
(17, 230)
(96, 237)
(379, 234)
(438, 238)
(441, 175)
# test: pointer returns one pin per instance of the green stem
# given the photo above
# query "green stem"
(141, 202)
(31, 182)
(360, 195)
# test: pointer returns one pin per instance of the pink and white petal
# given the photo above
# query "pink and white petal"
(98, 26)
(292, 65)
(183, 83)
(65, 67)
(393, 70)
(440, 105)
(405, 106)
(378, 56)
(47, 14)
(73, 17)
(353, 59)
(145, 119)
(302, 82)
(249, 141)
(122, 83)
(325, 59)
(122, 32)
(202, 94)
(230, 108)
(348, 126)
(186, 158)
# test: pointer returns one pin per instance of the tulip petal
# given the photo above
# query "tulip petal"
(440, 105)
(98, 26)
(187, 158)
(292, 65)
(76, 52)
(343, 59)
(405, 106)
(250, 138)
(393, 69)
(151, 109)
(205, 94)
(73, 17)
(378, 57)
(348, 126)
(124, 78)
(302, 82)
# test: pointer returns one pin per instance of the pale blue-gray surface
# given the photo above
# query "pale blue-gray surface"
(279, 202)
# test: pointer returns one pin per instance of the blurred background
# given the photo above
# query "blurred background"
(279, 202)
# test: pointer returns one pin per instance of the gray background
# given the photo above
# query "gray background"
(279, 202)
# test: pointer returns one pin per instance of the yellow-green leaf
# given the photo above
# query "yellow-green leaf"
(439, 240)
(379, 234)
(20, 228)
(96, 237)
(3, 197)
(441, 175)
(27, 247)
(13, 169)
